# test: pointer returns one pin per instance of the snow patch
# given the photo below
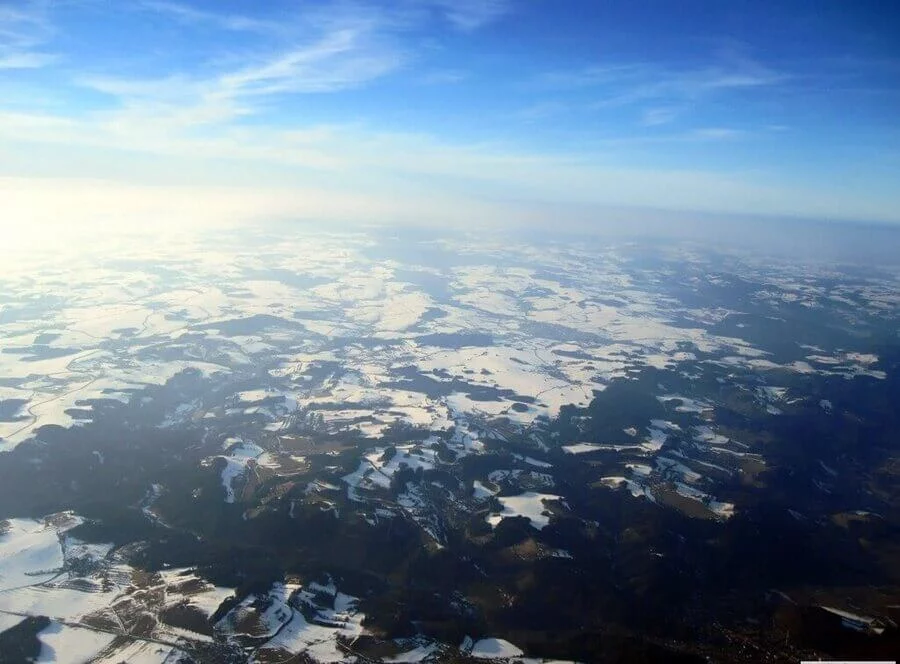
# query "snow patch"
(529, 504)
(494, 649)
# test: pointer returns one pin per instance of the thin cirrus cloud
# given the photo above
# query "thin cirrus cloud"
(654, 117)
(655, 95)
(193, 16)
(338, 60)
(465, 15)
(25, 60)
(471, 15)
(718, 133)
(622, 84)
(324, 53)
(444, 77)
(344, 55)
(24, 29)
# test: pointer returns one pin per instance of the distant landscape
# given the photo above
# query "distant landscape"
(287, 445)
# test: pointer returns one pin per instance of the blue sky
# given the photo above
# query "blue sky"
(452, 110)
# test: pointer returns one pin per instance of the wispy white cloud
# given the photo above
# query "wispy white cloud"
(337, 52)
(660, 115)
(542, 110)
(193, 16)
(657, 94)
(24, 29)
(590, 76)
(17, 18)
(696, 135)
(32, 60)
(468, 15)
(623, 84)
(718, 133)
(340, 59)
(444, 77)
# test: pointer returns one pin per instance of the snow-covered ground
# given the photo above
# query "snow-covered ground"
(582, 448)
(494, 649)
(106, 331)
(39, 577)
(276, 619)
(375, 471)
(315, 332)
(63, 644)
(531, 505)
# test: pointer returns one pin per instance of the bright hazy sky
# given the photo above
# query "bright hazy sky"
(442, 111)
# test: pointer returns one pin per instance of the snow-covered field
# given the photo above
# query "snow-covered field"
(104, 332)
(494, 649)
(44, 571)
(351, 342)
(277, 619)
(531, 505)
